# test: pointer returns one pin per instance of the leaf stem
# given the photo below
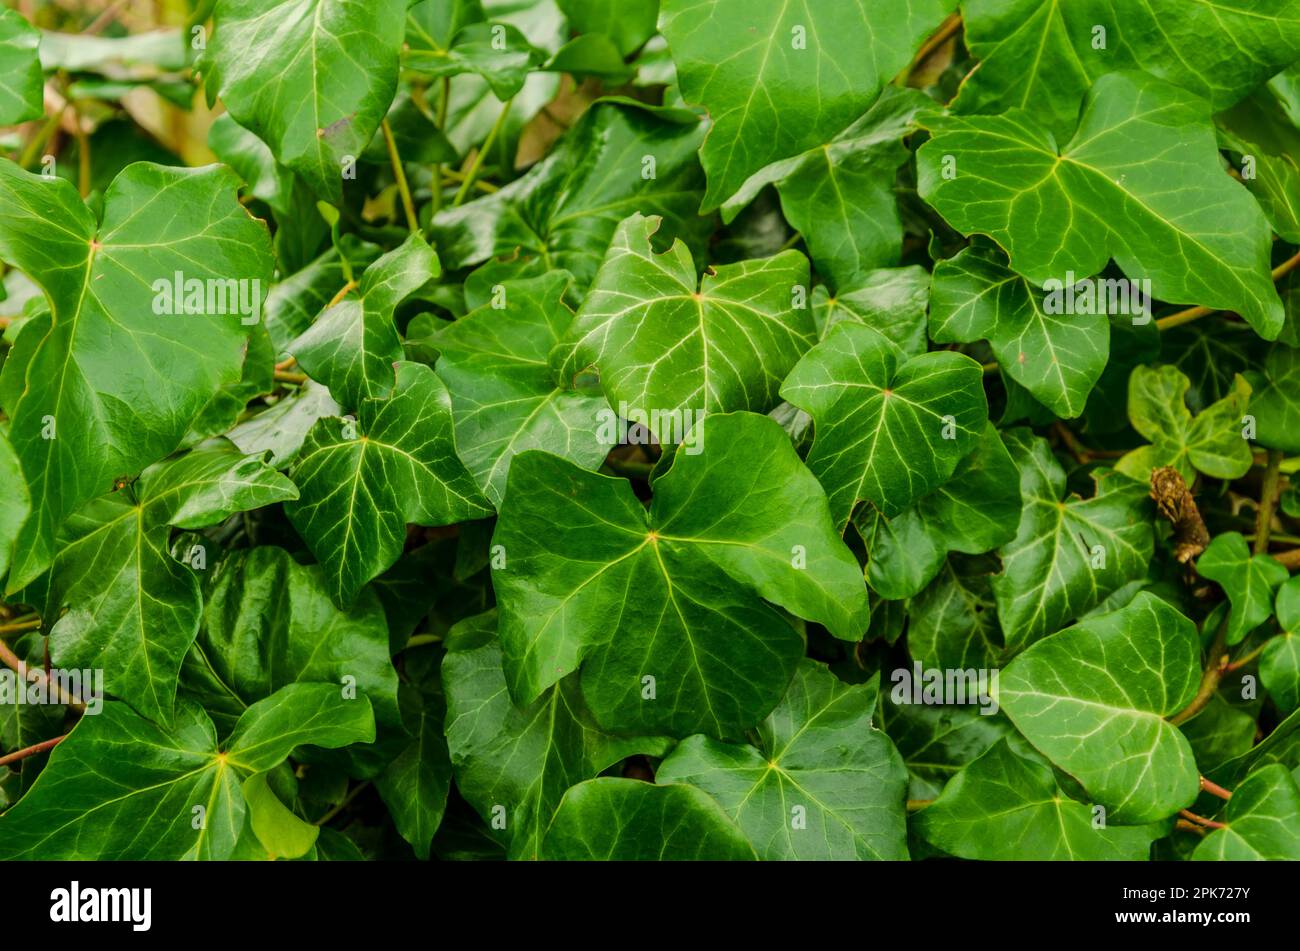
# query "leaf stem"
(482, 155)
(34, 674)
(42, 138)
(1245, 659)
(21, 626)
(916, 805)
(1214, 789)
(1196, 313)
(347, 801)
(32, 750)
(284, 376)
(399, 173)
(1201, 820)
(1267, 500)
(1216, 663)
(342, 293)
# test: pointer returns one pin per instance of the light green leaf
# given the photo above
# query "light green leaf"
(889, 430)
(523, 759)
(625, 820)
(736, 524)
(282, 834)
(780, 79)
(1142, 174)
(1263, 821)
(352, 346)
(281, 429)
(822, 784)
(21, 81)
(628, 23)
(108, 415)
(496, 51)
(1005, 806)
(1248, 580)
(15, 505)
(311, 78)
(665, 345)
(1279, 665)
(1058, 357)
(1069, 553)
(505, 396)
(1093, 699)
(1275, 401)
(361, 483)
(892, 301)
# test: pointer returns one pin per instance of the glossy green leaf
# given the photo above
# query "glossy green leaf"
(778, 80)
(21, 87)
(14, 506)
(938, 741)
(628, 820)
(1275, 401)
(667, 346)
(628, 23)
(1093, 699)
(282, 834)
(361, 482)
(889, 430)
(1142, 173)
(1258, 129)
(1069, 553)
(415, 785)
(496, 51)
(87, 415)
(1249, 581)
(821, 783)
(1279, 665)
(740, 522)
(1263, 821)
(892, 301)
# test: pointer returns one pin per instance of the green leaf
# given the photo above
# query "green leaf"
(505, 396)
(1248, 580)
(282, 429)
(118, 774)
(823, 783)
(665, 346)
(1275, 401)
(361, 483)
(1279, 665)
(1058, 357)
(840, 195)
(1005, 806)
(1211, 443)
(121, 601)
(1093, 699)
(291, 73)
(1263, 821)
(281, 833)
(954, 621)
(353, 345)
(21, 97)
(738, 523)
(627, 820)
(496, 51)
(1142, 174)
(565, 210)
(15, 505)
(1069, 553)
(1042, 55)
(628, 23)
(414, 786)
(892, 301)
(87, 415)
(521, 760)
(889, 430)
(778, 80)
(937, 742)
(1258, 129)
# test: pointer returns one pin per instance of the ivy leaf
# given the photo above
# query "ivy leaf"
(415, 785)
(268, 622)
(1057, 357)
(296, 300)
(1005, 806)
(1042, 55)
(496, 51)
(738, 522)
(352, 346)
(1211, 443)
(14, 506)
(975, 511)
(937, 742)
(840, 195)
(280, 832)
(523, 759)
(664, 345)
(288, 72)
(118, 774)
(122, 602)
(823, 783)
(824, 65)
(504, 394)
(1258, 127)
(892, 301)
(565, 210)
(1108, 195)
(21, 89)
(1279, 665)
(361, 483)
(889, 430)
(628, 23)
(109, 416)
(954, 621)
(1069, 553)
(1275, 402)
(281, 429)
(1263, 821)
(1093, 699)
(1248, 580)
(626, 820)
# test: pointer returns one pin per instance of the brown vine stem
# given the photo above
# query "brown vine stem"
(283, 376)
(35, 674)
(1201, 820)
(1267, 500)
(1216, 663)
(1214, 789)
(1290, 559)
(32, 750)
(1196, 313)
(399, 173)
(1186, 826)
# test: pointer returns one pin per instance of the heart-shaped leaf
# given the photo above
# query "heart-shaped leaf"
(1248, 580)
(1279, 665)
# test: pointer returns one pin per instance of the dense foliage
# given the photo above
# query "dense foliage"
(641, 429)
